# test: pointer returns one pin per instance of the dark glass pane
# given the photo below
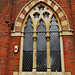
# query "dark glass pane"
(55, 46)
(41, 61)
(41, 27)
(53, 22)
(28, 47)
(54, 36)
(55, 61)
(27, 61)
(41, 40)
(54, 42)
(28, 23)
(29, 19)
(28, 29)
(41, 48)
(28, 42)
(54, 28)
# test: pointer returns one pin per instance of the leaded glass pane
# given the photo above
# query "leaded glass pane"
(55, 61)
(27, 61)
(54, 41)
(41, 42)
(41, 61)
(41, 28)
(28, 42)
(54, 28)
(41, 48)
(55, 46)
(28, 47)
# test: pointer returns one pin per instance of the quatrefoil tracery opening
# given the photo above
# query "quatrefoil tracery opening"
(36, 15)
(41, 7)
(46, 15)
(41, 11)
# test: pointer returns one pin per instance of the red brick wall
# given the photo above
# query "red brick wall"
(13, 59)
(5, 14)
(69, 54)
(73, 17)
(9, 61)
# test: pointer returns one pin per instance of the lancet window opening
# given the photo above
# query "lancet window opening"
(28, 46)
(41, 48)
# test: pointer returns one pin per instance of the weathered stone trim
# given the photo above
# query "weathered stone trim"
(43, 73)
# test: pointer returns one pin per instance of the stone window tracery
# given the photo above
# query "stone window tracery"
(46, 40)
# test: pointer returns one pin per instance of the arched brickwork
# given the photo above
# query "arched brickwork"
(59, 11)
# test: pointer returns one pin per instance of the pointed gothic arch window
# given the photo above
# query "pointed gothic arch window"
(41, 41)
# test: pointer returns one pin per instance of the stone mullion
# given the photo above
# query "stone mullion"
(35, 21)
(48, 52)
(34, 51)
(34, 46)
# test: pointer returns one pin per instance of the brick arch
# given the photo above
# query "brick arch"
(61, 14)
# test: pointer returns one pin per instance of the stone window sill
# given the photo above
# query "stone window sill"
(43, 73)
